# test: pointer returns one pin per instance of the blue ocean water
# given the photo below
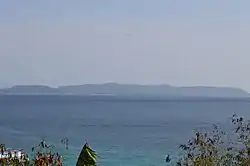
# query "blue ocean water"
(124, 132)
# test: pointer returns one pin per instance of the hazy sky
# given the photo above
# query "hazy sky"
(177, 42)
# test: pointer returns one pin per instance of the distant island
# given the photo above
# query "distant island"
(114, 89)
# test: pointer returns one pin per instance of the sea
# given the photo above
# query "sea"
(123, 131)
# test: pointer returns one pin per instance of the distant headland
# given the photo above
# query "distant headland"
(115, 89)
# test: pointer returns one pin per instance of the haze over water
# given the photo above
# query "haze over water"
(179, 43)
(61, 42)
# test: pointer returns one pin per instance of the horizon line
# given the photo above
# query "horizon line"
(135, 84)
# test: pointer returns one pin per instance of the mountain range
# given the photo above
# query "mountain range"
(115, 89)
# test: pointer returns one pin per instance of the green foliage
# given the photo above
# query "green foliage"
(216, 149)
(43, 156)
(87, 157)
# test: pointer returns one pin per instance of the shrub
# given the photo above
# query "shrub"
(43, 156)
(87, 157)
(217, 148)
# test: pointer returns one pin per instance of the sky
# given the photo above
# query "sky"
(176, 42)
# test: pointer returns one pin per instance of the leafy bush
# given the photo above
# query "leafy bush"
(219, 148)
(43, 156)
(87, 157)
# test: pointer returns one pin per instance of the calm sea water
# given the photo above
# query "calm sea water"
(124, 132)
